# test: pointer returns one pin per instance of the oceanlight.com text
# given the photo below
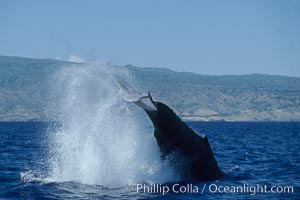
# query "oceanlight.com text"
(213, 188)
(250, 189)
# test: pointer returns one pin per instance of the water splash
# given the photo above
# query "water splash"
(103, 139)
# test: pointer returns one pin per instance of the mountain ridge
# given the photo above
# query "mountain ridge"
(250, 97)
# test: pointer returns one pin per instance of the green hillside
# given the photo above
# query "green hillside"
(255, 97)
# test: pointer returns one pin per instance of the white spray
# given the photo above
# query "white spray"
(103, 139)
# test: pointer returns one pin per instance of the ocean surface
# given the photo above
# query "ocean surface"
(251, 155)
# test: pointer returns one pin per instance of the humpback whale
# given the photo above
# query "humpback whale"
(190, 153)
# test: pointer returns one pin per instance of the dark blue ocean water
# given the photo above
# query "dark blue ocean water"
(251, 154)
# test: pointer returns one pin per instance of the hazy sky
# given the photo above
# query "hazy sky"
(207, 37)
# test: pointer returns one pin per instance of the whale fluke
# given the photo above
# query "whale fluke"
(146, 102)
(192, 154)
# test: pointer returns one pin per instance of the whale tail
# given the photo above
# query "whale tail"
(130, 94)
(146, 102)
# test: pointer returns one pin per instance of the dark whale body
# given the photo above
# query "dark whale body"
(192, 154)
